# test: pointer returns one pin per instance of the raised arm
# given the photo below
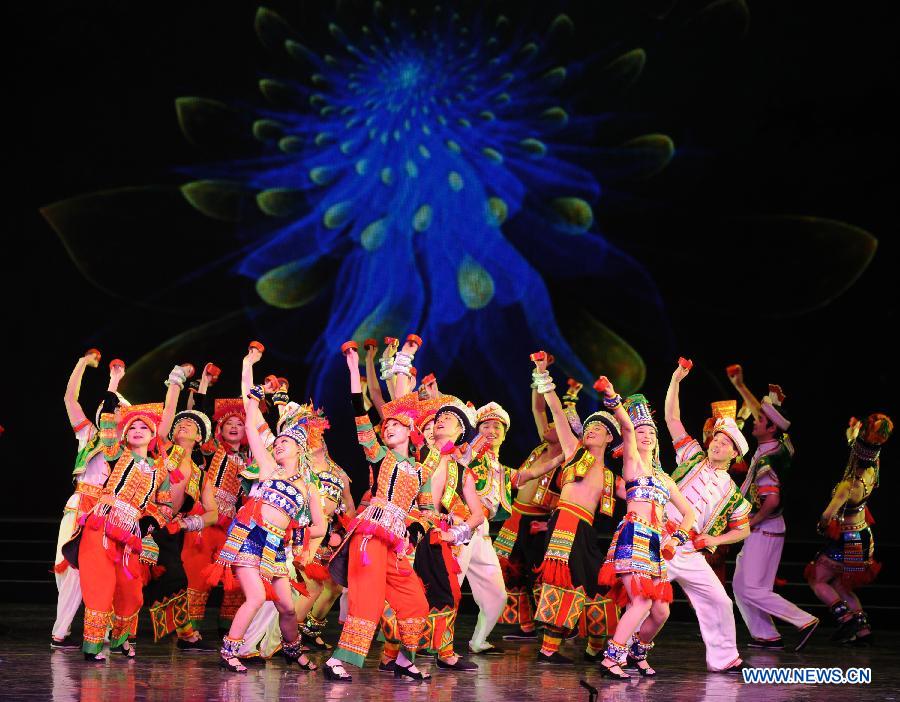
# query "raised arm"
(567, 439)
(403, 380)
(372, 381)
(631, 459)
(352, 358)
(539, 412)
(387, 364)
(174, 383)
(365, 434)
(73, 389)
(673, 405)
(263, 458)
(736, 376)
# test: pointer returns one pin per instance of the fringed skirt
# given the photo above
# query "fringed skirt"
(573, 555)
(852, 554)
(635, 551)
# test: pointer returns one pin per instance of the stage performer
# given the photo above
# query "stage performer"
(448, 503)
(372, 562)
(847, 559)
(634, 565)
(168, 587)
(737, 470)
(337, 504)
(90, 474)
(206, 536)
(764, 487)
(573, 558)
(283, 514)
(522, 539)
(115, 537)
(723, 517)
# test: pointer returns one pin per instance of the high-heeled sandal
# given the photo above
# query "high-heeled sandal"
(308, 666)
(229, 652)
(606, 671)
(226, 664)
(638, 653)
(405, 672)
(331, 673)
(129, 652)
(647, 672)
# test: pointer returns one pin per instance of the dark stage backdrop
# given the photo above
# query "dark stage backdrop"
(789, 113)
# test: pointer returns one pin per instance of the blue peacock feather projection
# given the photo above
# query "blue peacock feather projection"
(436, 170)
(436, 159)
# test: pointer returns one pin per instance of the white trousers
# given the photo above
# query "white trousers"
(754, 578)
(68, 583)
(264, 633)
(714, 609)
(479, 564)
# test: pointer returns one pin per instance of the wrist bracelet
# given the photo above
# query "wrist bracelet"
(257, 392)
(280, 398)
(612, 402)
(176, 377)
(193, 522)
(402, 363)
(387, 365)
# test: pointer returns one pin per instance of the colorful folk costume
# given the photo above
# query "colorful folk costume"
(332, 482)
(372, 562)
(636, 546)
(436, 562)
(115, 540)
(757, 563)
(521, 543)
(737, 470)
(478, 562)
(568, 574)
(720, 506)
(846, 560)
(90, 474)
(167, 590)
(255, 542)
(522, 540)
(203, 543)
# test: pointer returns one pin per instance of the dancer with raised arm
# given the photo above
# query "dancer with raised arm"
(115, 537)
(90, 474)
(634, 563)
(568, 574)
(283, 515)
(846, 561)
(723, 517)
(372, 561)
(522, 540)
(764, 486)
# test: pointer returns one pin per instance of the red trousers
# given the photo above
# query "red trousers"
(111, 593)
(383, 577)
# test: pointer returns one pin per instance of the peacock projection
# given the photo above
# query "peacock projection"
(427, 170)
(436, 158)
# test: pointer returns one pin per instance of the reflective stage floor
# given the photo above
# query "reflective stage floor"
(29, 670)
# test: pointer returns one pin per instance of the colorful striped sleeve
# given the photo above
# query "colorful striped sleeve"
(686, 447)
